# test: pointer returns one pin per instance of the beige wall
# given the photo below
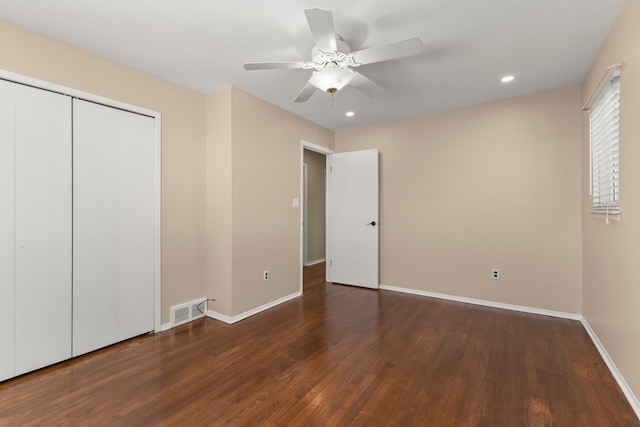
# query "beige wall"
(266, 178)
(490, 186)
(183, 142)
(611, 284)
(259, 161)
(316, 164)
(219, 192)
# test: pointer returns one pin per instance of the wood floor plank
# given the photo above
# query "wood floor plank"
(338, 356)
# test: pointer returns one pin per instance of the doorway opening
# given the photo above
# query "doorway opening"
(313, 210)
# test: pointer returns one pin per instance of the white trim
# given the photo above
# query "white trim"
(304, 145)
(504, 306)
(305, 214)
(157, 289)
(221, 317)
(29, 81)
(631, 398)
(165, 327)
(318, 261)
(42, 84)
(253, 311)
(317, 148)
(610, 72)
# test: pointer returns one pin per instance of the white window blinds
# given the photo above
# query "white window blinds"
(604, 124)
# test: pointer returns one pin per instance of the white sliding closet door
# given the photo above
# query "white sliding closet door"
(42, 228)
(114, 214)
(7, 257)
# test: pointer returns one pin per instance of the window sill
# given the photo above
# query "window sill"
(606, 212)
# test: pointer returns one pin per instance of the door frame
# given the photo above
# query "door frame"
(305, 145)
(41, 84)
(305, 215)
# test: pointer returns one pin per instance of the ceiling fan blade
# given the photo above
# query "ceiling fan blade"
(272, 65)
(321, 25)
(388, 51)
(305, 93)
(366, 85)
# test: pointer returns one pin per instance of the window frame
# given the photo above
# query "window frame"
(604, 147)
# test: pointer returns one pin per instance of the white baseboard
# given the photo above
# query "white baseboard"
(318, 261)
(633, 400)
(165, 327)
(253, 311)
(486, 303)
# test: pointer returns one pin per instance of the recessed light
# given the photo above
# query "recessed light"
(350, 114)
(507, 79)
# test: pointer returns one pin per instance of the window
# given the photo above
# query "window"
(604, 130)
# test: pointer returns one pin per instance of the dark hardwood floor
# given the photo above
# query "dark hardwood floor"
(338, 356)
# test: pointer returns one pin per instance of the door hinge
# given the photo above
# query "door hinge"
(330, 262)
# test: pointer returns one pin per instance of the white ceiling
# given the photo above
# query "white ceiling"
(468, 45)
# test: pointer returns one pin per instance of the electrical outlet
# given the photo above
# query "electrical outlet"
(495, 273)
(265, 276)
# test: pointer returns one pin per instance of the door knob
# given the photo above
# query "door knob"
(372, 223)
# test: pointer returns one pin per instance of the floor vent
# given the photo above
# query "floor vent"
(187, 312)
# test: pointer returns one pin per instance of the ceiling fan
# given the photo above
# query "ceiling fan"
(333, 61)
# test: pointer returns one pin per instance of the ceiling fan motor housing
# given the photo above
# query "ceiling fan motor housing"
(337, 59)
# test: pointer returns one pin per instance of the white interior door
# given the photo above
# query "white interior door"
(352, 222)
(42, 228)
(7, 257)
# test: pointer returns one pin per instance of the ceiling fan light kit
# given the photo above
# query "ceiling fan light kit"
(331, 80)
(333, 61)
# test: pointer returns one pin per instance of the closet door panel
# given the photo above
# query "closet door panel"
(7, 258)
(42, 228)
(95, 226)
(114, 239)
(136, 190)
